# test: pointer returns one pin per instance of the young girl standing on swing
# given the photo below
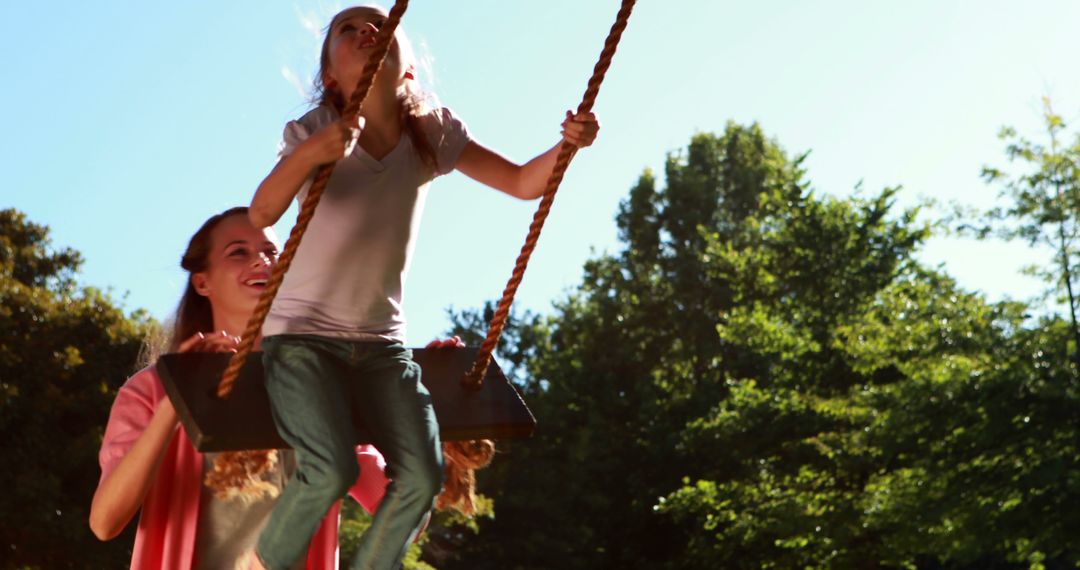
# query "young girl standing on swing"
(337, 322)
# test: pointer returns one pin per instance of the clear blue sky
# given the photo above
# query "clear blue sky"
(128, 123)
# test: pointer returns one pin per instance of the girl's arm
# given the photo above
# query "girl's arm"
(122, 491)
(277, 190)
(529, 180)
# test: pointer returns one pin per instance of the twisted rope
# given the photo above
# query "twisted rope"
(463, 459)
(475, 377)
(307, 209)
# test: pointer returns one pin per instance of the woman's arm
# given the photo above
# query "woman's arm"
(122, 490)
(121, 493)
(529, 180)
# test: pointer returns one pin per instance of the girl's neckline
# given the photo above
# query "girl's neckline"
(382, 161)
(360, 152)
(386, 155)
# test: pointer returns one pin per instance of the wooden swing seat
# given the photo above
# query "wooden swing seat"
(243, 420)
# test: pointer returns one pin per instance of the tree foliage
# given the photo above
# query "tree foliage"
(1041, 206)
(64, 350)
(765, 377)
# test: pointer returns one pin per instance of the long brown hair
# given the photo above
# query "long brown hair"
(411, 97)
(193, 313)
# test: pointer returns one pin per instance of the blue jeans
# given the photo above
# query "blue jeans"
(315, 385)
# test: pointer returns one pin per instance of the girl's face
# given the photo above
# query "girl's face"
(238, 267)
(349, 46)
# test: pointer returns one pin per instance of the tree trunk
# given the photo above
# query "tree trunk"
(1066, 273)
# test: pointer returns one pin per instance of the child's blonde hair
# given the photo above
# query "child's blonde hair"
(411, 96)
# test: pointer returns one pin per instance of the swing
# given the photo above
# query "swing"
(243, 421)
(471, 401)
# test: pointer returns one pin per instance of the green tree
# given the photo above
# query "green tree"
(765, 377)
(1042, 207)
(980, 440)
(775, 467)
(64, 350)
(634, 356)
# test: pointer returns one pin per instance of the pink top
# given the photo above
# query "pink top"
(166, 536)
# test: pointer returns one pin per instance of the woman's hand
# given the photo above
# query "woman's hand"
(331, 143)
(452, 342)
(580, 129)
(220, 341)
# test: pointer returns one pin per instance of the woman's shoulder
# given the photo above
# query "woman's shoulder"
(132, 409)
(144, 384)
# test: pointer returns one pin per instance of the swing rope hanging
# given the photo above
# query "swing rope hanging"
(475, 377)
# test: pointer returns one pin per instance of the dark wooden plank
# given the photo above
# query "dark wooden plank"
(243, 420)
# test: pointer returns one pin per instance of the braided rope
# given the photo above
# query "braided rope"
(463, 459)
(307, 209)
(475, 377)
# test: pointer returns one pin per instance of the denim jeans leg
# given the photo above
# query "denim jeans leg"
(304, 379)
(397, 409)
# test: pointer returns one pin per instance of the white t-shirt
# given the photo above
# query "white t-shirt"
(348, 277)
(229, 528)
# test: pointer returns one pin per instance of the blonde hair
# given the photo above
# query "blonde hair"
(413, 99)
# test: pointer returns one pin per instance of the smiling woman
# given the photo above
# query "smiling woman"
(229, 261)
(148, 462)
(241, 257)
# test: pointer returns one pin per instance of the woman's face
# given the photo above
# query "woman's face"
(238, 267)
